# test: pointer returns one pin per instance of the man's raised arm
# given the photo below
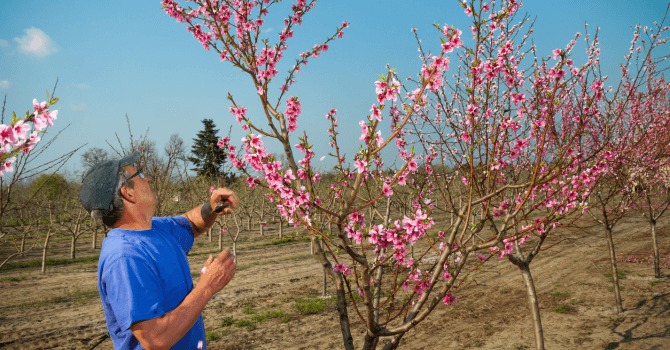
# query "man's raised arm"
(203, 217)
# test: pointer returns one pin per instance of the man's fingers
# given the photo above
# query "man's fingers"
(224, 254)
(224, 194)
(209, 260)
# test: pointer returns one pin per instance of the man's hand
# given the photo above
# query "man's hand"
(217, 272)
(223, 195)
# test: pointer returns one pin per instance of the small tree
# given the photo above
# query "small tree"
(51, 186)
(93, 156)
(207, 158)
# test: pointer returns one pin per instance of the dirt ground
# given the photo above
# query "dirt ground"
(62, 309)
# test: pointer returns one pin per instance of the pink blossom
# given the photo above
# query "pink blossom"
(211, 189)
(223, 142)
(449, 299)
(387, 191)
(344, 269)
(412, 166)
(376, 113)
(556, 53)
(360, 165)
(465, 137)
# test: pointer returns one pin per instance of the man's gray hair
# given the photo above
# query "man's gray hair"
(110, 217)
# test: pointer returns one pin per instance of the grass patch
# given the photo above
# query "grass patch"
(78, 296)
(560, 294)
(276, 314)
(212, 335)
(574, 302)
(249, 309)
(227, 321)
(50, 262)
(310, 305)
(259, 318)
(287, 240)
(651, 283)
(562, 309)
(14, 278)
(248, 324)
(620, 275)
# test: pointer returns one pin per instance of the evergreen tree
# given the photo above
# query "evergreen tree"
(207, 157)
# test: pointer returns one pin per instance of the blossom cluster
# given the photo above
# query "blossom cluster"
(17, 136)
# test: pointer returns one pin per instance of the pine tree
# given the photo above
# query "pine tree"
(207, 157)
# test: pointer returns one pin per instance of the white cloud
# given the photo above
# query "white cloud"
(79, 107)
(267, 30)
(37, 43)
(82, 86)
(4, 43)
(5, 84)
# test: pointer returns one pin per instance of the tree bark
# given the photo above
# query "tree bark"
(23, 243)
(220, 240)
(44, 252)
(95, 234)
(72, 252)
(615, 276)
(657, 257)
(209, 234)
(533, 305)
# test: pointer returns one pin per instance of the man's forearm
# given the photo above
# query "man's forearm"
(201, 218)
(172, 326)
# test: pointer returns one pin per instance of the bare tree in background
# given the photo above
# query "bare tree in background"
(93, 156)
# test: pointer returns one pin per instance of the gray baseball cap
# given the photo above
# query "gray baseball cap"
(99, 184)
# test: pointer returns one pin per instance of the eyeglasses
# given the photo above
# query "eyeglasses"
(138, 173)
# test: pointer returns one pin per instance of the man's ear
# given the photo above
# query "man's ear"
(128, 194)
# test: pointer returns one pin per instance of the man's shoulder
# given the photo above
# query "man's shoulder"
(165, 222)
(115, 247)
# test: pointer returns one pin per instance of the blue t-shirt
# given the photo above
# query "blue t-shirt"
(145, 274)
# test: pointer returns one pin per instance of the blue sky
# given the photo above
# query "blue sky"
(128, 57)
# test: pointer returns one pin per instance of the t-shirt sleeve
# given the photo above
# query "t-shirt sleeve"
(133, 289)
(182, 231)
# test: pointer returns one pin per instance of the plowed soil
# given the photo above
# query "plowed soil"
(61, 309)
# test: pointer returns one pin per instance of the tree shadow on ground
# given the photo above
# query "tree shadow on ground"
(660, 306)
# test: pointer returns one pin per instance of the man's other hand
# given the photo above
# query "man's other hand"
(217, 272)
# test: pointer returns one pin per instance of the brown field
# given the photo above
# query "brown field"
(62, 310)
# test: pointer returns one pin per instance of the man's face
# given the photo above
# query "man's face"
(146, 199)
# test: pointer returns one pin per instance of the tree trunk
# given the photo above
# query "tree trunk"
(657, 263)
(615, 276)
(249, 223)
(44, 252)
(235, 251)
(95, 235)
(220, 240)
(209, 234)
(324, 272)
(533, 306)
(281, 229)
(262, 233)
(23, 242)
(72, 252)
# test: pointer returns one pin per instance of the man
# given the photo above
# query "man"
(144, 278)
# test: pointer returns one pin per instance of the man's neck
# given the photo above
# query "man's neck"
(135, 226)
(134, 223)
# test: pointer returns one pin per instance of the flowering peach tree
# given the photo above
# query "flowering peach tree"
(508, 139)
